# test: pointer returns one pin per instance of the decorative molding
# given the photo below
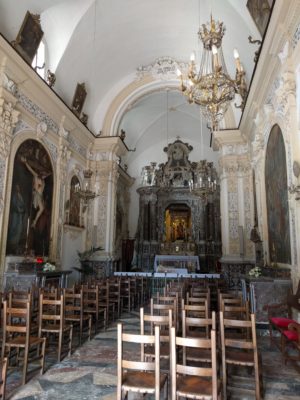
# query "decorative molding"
(2, 176)
(296, 37)
(51, 147)
(36, 111)
(73, 231)
(41, 129)
(294, 236)
(163, 68)
(8, 116)
(22, 126)
(8, 84)
(74, 145)
(63, 133)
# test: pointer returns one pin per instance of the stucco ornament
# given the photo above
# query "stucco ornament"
(41, 129)
(8, 116)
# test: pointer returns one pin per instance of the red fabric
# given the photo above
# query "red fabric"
(291, 335)
(281, 322)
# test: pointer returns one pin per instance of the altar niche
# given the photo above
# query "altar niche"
(174, 220)
(178, 223)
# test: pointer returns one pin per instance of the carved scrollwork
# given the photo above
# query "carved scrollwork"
(8, 116)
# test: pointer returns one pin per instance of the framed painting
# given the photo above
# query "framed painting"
(79, 98)
(260, 12)
(31, 202)
(29, 37)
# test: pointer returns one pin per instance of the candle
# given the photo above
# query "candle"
(237, 60)
(215, 57)
(28, 222)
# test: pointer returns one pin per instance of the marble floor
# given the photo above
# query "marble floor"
(90, 373)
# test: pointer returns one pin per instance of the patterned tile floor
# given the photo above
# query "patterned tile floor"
(90, 373)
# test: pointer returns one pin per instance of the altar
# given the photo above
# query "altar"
(176, 264)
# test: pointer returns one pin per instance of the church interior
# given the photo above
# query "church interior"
(150, 174)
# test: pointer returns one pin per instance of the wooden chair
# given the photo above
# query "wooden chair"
(190, 381)
(52, 323)
(91, 306)
(163, 309)
(114, 294)
(128, 293)
(199, 300)
(197, 328)
(139, 376)
(291, 338)
(16, 335)
(3, 378)
(240, 352)
(196, 310)
(232, 311)
(104, 302)
(74, 313)
(147, 325)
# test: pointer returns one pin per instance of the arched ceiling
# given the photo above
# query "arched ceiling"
(103, 42)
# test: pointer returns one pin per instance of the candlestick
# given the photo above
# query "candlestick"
(27, 231)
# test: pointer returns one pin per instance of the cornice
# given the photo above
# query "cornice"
(284, 20)
(227, 137)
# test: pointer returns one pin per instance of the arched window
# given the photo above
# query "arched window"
(38, 62)
(74, 210)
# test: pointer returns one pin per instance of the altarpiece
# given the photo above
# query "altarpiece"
(173, 218)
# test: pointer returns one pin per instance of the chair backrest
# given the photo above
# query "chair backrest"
(236, 311)
(192, 326)
(163, 309)
(18, 299)
(51, 312)
(141, 364)
(16, 321)
(183, 370)
(149, 321)
(226, 295)
(226, 325)
(73, 302)
(197, 310)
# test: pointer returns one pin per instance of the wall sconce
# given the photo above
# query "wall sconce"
(295, 188)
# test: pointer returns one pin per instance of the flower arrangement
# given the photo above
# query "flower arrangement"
(256, 272)
(48, 267)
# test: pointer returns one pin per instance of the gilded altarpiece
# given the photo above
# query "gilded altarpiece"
(173, 218)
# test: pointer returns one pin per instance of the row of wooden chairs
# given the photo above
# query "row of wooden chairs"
(193, 370)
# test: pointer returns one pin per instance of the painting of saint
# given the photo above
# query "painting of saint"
(74, 215)
(31, 201)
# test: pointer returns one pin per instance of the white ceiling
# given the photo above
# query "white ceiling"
(103, 42)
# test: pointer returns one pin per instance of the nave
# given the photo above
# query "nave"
(91, 371)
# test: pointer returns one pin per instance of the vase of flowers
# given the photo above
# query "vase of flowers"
(255, 272)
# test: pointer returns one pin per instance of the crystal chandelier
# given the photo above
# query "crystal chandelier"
(86, 194)
(204, 180)
(212, 88)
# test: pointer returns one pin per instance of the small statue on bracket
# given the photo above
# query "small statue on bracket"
(84, 118)
(50, 78)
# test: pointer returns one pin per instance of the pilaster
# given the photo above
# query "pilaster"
(236, 194)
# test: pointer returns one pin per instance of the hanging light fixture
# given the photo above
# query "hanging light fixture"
(204, 180)
(211, 87)
(86, 194)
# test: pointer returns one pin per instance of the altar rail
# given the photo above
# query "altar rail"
(161, 279)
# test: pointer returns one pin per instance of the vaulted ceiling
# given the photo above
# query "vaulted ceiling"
(103, 42)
